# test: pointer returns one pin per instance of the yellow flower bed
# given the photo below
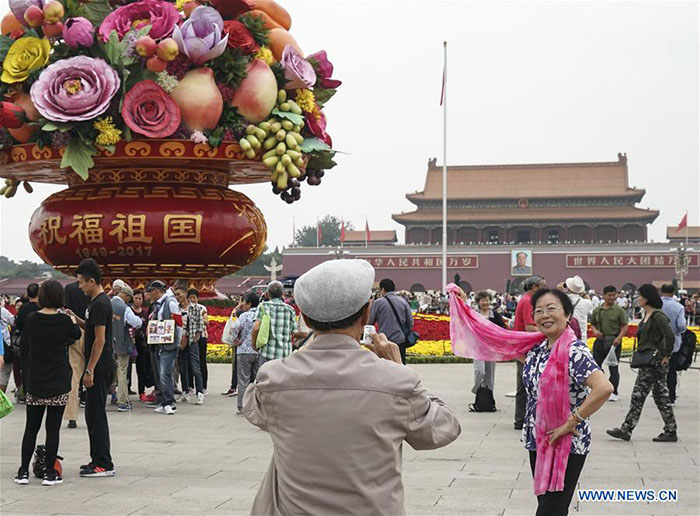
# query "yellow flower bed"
(219, 318)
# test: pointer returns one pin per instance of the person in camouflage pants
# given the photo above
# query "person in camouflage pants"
(650, 379)
(654, 334)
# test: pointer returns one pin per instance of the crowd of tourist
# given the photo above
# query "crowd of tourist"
(78, 345)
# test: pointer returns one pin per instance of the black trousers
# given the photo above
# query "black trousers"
(672, 377)
(203, 361)
(556, 503)
(600, 351)
(35, 414)
(96, 419)
(520, 395)
(143, 368)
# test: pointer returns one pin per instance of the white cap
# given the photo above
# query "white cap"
(575, 285)
(117, 283)
(334, 290)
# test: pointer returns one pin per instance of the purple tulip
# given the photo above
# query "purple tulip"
(75, 89)
(78, 32)
(19, 6)
(297, 70)
(199, 38)
(324, 70)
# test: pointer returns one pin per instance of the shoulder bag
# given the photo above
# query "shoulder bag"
(644, 358)
(410, 335)
(264, 331)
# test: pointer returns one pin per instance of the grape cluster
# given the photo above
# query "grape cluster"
(10, 188)
(281, 140)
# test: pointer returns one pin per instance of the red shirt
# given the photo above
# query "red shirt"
(523, 313)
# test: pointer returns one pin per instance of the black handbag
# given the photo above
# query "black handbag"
(410, 335)
(642, 359)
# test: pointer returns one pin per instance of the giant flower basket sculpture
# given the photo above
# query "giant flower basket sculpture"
(148, 110)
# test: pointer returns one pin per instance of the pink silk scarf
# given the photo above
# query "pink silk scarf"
(475, 337)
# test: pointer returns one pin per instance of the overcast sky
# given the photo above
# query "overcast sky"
(529, 82)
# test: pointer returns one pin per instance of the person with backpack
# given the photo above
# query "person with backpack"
(45, 340)
(392, 314)
(676, 315)
(485, 371)
(123, 318)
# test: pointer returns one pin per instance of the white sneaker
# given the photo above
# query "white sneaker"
(168, 410)
(160, 409)
(200, 398)
(614, 397)
(192, 391)
(185, 398)
(206, 392)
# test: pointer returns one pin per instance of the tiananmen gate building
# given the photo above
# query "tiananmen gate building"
(507, 222)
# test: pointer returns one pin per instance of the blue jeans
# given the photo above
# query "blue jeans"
(166, 361)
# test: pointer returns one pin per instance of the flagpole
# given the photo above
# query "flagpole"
(444, 172)
(318, 244)
(366, 225)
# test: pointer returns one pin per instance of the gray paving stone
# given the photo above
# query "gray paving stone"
(205, 460)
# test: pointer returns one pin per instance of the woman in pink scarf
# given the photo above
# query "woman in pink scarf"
(564, 388)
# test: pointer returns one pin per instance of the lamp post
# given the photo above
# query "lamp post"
(681, 261)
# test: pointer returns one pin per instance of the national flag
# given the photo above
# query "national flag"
(368, 235)
(683, 223)
(319, 236)
(342, 231)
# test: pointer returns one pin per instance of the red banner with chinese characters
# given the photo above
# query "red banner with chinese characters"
(627, 260)
(421, 262)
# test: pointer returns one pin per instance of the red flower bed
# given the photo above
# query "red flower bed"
(432, 330)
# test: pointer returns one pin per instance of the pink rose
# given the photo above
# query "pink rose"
(160, 15)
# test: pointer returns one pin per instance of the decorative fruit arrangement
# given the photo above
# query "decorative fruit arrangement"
(83, 76)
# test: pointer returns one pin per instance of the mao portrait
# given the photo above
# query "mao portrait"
(521, 263)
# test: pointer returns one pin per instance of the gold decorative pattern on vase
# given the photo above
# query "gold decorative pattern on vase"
(172, 149)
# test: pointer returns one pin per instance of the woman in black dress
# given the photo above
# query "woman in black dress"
(44, 350)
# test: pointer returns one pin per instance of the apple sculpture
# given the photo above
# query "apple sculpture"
(148, 113)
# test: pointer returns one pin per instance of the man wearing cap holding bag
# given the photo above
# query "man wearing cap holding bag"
(337, 413)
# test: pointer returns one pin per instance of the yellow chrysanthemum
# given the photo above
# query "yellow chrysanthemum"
(25, 55)
(305, 100)
(109, 134)
(265, 54)
(179, 4)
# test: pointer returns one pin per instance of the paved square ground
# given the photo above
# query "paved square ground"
(206, 460)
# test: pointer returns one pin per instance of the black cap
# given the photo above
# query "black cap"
(156, 284)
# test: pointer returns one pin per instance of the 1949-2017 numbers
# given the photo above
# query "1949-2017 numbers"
(129, 250)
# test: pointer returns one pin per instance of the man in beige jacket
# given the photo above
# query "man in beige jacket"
(338, 414)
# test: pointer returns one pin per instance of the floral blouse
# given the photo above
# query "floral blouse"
(581, 365)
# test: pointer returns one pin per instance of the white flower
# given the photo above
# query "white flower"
(166, 81)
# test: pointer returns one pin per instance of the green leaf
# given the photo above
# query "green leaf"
(256, 27)
(322, 96)
(5, 44)
(96, 10)
(230, 67)
(215, 137)
(78, 156)
(292, 117)
(321, 160)
(313, 144)
(49, 126)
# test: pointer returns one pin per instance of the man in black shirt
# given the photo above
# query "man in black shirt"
(99, 371)
(20, 324)
(77, 302)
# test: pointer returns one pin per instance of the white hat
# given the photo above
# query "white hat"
(334, 290)
(127, 290)
(575, 285)
(117, 283)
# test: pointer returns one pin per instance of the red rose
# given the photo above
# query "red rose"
(240, 37)
(11, 115)
(150, 111)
